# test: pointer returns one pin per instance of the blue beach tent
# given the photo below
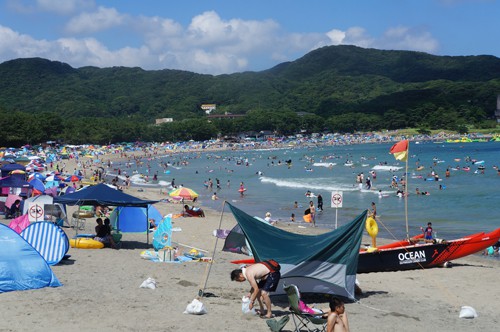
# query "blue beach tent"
(134, 219)
(21, 266)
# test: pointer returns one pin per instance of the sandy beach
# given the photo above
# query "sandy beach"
(101, 291)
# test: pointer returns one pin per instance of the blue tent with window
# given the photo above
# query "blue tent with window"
(21, 266)
(129, 219)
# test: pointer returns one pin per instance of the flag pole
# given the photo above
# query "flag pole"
(406, 189)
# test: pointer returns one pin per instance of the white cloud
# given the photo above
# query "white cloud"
(102, 19)
(208, 44)
(16, 45)
(397, 38)
(336, 36)
(64, 6)
(61, 7)
(404, 38)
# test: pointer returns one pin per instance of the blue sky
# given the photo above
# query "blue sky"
(227, 36)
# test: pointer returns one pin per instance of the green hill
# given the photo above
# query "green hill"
(342, 88)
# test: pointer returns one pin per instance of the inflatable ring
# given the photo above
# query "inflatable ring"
(371, 227)
(83, 214)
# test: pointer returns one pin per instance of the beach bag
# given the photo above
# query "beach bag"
(245, 306)
(467, 312)
(195, 308)
(148, 283)
(272, 265)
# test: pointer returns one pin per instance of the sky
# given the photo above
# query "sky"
(228, 36)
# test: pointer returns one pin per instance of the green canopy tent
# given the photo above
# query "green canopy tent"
(324, 263)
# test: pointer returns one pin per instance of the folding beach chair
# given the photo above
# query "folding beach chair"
(302, 319)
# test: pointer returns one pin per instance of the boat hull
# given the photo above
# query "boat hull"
(421, 256)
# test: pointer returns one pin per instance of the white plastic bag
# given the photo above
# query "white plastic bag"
(148, 283)
(195, 308)
(245, 306)
(467, 312)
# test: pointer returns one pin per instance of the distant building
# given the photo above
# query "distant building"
(163, 120)
(225, 116)
(497, 112)
(208, 108)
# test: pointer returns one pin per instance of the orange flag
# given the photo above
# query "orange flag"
(400, 150)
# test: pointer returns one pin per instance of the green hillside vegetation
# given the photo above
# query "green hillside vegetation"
(335, 88)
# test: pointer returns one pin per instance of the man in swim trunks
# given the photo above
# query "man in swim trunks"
(263, 278)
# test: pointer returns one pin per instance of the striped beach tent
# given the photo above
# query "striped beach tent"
(48, 239)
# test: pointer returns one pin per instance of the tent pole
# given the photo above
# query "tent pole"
(147, 226)
(77, 220)
(208, 268)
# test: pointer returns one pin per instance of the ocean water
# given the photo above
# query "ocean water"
(468, 202)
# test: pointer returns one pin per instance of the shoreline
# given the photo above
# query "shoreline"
(101, 287)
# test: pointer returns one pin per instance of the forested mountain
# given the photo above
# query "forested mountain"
(341, 88)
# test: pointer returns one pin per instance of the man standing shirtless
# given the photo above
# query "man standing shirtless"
(263, 278)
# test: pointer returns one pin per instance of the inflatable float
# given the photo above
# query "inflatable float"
(85, 243)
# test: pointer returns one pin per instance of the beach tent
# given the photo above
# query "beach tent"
(19, 224)
(21, 266)
(129, 219)
(14, 182)
(48, 239)
(54, 212)
(37, 184)
(102, 194)
(324, 263)
(6, 169)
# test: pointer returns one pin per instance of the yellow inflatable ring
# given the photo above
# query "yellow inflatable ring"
(371, 227)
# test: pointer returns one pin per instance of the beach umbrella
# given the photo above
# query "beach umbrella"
(51, 178)
(38, 176)
(73, 178)
(37, 184)
(183, 192)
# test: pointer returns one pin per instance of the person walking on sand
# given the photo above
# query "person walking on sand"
(263, 278)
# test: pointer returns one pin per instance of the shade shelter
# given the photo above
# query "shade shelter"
(8, 168)
(102, 194)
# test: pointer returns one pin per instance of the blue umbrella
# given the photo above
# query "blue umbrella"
(39, 176)
(37, 184)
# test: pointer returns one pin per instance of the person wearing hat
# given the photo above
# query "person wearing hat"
(269, 220)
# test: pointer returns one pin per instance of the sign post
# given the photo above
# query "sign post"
(35, 212)
(337, 200)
